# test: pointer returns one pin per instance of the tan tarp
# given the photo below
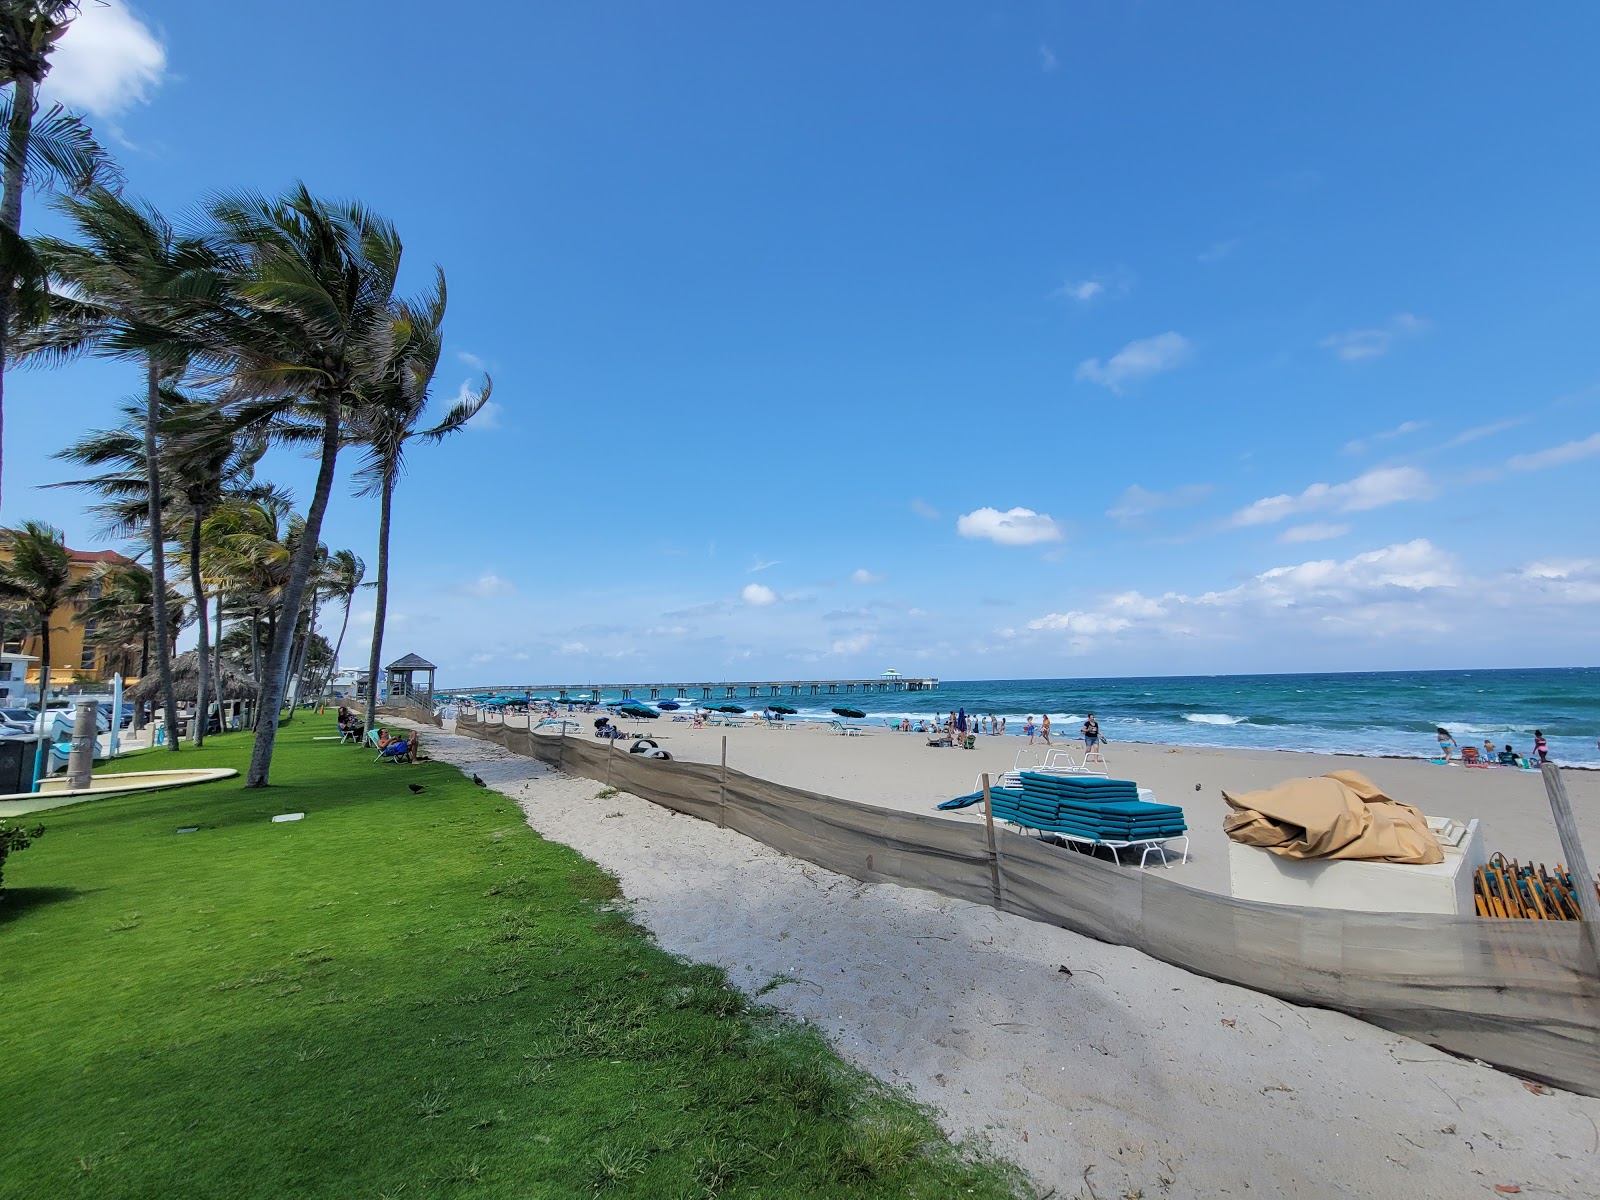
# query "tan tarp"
(1521, 994)
(1338, 815)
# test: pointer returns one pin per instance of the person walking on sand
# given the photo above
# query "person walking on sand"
(1044, 728)
(1541, 748)
(1446, 742)
(1027, 728)
(1090, 733)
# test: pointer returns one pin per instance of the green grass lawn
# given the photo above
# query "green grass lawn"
(397, 996)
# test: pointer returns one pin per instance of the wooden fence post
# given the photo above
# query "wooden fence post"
(722, 788)
(994, 849)
(611, 750)
(1572, 849)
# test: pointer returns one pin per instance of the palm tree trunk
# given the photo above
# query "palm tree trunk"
(270, 695)
(381, 607)
(302, 656)
(255, 645)
(202, 667)
(158, 542)
(216, 650)
(333, 667)
(17, 136)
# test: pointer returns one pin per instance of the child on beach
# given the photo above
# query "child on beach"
(1027, 728)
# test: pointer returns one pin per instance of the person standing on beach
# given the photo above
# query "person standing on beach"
(1044, 728)
(1090, 733)
(1541, 748)
(1027, 728)
(1446, 742)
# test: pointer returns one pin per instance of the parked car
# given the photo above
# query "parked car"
(18, 720)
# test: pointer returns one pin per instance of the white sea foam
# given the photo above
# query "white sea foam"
(1213, 719)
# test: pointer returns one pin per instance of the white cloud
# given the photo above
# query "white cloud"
(107, 61)
(1360, 445)
(1316, 531)
(1014, 527)
(1218, 251)
(1557, 456)
(1139, 502)
(1083, 289)
(487, 585)
(763, 566)
(1375, 489)
(1087, 623)
(923, 509)
(1483, 431)
(862, 575)
(1137, 360)
(1355, 344)
(851, 645)
(758, 594)
(1047, 59)
(572, 648)
(472, 360)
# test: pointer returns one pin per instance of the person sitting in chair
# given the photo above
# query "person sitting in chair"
(401, 749)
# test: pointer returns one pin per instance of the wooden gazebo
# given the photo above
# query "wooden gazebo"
(401, 675)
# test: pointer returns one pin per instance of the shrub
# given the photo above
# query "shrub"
(13, 838)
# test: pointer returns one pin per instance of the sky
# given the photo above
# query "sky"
(972, 340)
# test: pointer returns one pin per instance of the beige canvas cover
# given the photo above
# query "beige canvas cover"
(1338, 815)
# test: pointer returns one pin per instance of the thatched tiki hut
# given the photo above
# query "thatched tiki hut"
(234, 689)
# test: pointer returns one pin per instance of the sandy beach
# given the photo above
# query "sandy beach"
(895, 770)
(1119, 1073)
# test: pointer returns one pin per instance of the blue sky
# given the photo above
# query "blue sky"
(1276, 325)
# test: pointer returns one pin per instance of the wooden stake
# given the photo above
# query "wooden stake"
(1582, 877)
(722, 788)
(611, 750)
(994, 850)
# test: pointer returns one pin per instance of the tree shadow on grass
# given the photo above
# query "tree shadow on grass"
(16, 902)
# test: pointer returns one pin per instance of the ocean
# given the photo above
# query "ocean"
(1370, 712)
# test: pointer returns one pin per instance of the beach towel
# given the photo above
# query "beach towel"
(1338, 815)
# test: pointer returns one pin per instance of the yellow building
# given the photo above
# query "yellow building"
(71, 660)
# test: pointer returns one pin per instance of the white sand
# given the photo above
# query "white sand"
(894, 770)
(1158, 1082)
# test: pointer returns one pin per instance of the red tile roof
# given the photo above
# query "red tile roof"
(100, 556)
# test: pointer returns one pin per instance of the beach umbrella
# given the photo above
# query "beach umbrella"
(784, 709)
(855, 714)
(637, 710)
(728, 708)
(669, 705)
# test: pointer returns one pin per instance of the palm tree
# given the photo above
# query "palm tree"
(118, 602)
(389, 421)
(202, 458)
(36, 579)
(125, 271)
(58, 147)
(346, 570)
(309, 318)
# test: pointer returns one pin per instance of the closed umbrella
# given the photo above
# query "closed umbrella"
(855, 714)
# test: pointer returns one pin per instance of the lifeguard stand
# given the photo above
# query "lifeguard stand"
(401, 675)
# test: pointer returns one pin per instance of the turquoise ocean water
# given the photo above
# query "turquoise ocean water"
(1380, 713)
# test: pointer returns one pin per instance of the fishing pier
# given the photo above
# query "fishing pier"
(772, 689)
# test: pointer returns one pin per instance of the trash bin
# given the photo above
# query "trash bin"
(16, 763)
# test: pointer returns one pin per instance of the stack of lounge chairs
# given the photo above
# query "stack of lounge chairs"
(1095, 811)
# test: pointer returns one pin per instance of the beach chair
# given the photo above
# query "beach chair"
(402, 749)
(350, 734)
(1094, 762)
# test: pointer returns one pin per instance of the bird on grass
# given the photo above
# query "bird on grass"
(479, 781)
(415, 788)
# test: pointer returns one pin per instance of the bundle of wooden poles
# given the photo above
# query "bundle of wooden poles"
(1507, 888)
